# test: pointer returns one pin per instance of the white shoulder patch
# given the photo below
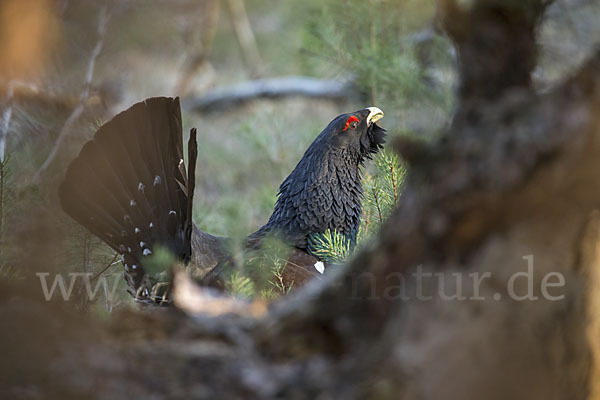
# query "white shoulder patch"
(320, 267)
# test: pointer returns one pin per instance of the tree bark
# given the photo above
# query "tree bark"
(512, 183)
(495, 43)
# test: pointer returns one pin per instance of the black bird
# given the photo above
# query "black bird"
(129, 186)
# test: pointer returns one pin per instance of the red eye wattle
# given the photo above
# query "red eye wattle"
(352, 123)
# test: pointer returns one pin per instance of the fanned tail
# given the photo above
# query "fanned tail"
(129, 186)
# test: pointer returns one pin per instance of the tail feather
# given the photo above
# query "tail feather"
(129, 185)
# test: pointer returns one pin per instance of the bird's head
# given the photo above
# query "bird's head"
(356, 133)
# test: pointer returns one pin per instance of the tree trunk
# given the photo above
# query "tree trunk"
(512, 187)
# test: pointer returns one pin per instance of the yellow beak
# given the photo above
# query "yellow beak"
(375, 114)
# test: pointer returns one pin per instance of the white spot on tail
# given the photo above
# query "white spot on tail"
(147, 252)
(141, 187)
(156, 180)
(151, 225)
(137, 230)
(320, 267)
(134, 266)
(142, 244)
(132, 203)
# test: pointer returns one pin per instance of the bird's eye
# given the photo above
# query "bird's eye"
(352, 123)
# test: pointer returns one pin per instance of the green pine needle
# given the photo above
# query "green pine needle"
(330, 246)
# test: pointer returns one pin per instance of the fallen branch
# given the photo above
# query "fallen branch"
(236, 95)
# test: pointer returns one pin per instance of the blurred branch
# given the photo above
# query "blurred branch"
(198, 57)
(232, 96)
(112, 262)
(245, 36)
(30, 92)
(208, 19)
(80, 107)
(198, 301)
(6, 117)
(3, 174)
